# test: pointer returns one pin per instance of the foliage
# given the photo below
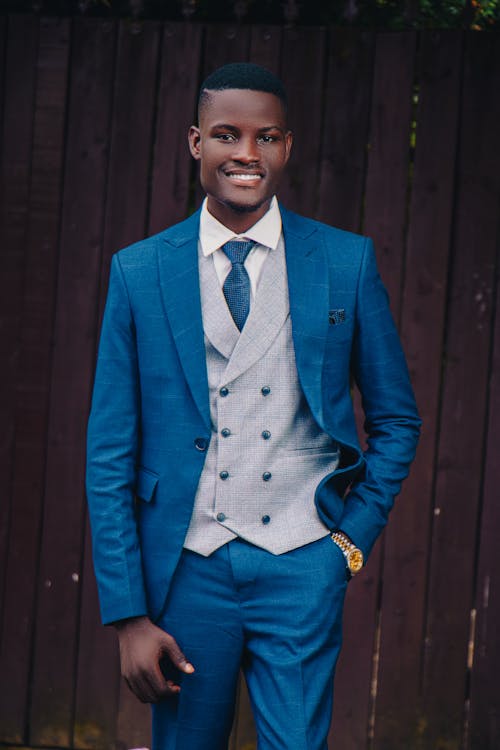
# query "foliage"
(381, 14)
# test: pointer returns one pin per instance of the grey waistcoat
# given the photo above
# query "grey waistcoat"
(267, 454)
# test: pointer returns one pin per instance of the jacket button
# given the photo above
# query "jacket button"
(223, 391)
(265, 390)
(221, 517)
(225, 432)
(201, 443)
(266, 434)
(265, 519)
(266, 476)
(224, 474)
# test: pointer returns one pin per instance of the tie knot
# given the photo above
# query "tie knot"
(237, 250)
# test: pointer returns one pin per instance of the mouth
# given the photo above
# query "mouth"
(244, 178)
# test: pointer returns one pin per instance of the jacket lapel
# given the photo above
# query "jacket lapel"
(218, 324)
(309, 293)
(180, 288)
(266, 318)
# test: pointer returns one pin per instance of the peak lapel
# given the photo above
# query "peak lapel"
(180, 288)
(266, 318)
(309, 292)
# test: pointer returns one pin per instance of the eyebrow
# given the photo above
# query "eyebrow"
(265, 129)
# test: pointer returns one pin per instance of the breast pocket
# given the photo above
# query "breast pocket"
(146, 484)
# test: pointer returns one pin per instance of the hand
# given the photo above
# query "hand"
(142, 645)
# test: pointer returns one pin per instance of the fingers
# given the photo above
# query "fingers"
(150, 686)
(175, 655)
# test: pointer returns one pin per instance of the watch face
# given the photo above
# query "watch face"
(355, 560)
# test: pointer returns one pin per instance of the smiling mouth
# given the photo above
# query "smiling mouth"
(244, 176)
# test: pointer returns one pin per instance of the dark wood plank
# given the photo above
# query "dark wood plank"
(302, 71)
(54, 679)
(225, 44)
(342, 171)
(18, 52)
(34, 369)
(54, 671)
(484, 731)
(131, 133)
(391, 97)
(177, 100)
(98, 670)
(422, 327)
(388, 157)
(347, 97)
(129, 174)
(134, 722)
(464, 403)
(265, 47)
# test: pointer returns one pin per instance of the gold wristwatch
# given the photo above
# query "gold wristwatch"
(353, 555)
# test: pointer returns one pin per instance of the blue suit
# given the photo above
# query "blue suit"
(149, 427)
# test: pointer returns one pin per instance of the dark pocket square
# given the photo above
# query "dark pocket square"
(336, 316)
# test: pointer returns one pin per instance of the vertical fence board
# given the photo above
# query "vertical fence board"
(302, 71)
(127, 202)
(172, 163)
(131, 134)
(484, 694)
(34, 370)
(57, 635)
(388, 160)
(347, 97)
(265, 47)
(17, 132)
(463, 413)
(343, 154)
(406, 539)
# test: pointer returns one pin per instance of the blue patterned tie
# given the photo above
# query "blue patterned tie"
(237, 284)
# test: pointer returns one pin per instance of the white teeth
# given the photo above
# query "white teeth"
(245, 176)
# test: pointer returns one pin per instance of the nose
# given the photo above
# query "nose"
(246, 151)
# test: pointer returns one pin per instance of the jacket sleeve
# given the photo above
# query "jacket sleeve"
(391, 423)
(112, 445)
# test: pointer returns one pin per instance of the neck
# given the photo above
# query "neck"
(237, 221)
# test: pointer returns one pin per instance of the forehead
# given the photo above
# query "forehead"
(256, 108)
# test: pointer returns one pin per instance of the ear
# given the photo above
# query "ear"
(288, 143)
(194, 142)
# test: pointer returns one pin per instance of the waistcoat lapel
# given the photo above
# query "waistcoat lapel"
(179, 281)
(309, 294)
(267, 316)
(218, 323)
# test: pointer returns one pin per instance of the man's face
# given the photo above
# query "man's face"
(243, 145)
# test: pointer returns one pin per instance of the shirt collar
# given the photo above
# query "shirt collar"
(265, 232)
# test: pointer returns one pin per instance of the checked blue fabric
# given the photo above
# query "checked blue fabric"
(237, 284)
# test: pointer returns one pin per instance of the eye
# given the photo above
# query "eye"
(225, 137)
(267, 139)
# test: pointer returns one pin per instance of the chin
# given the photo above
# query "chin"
(245, 208)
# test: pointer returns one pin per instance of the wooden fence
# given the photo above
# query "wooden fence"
(396, 135)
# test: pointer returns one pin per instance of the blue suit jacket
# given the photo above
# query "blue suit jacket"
(150, 425)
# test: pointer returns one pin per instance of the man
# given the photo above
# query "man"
(229, 499)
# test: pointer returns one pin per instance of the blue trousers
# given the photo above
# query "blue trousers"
(279, 618)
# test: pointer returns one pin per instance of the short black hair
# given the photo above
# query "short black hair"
(242, 76)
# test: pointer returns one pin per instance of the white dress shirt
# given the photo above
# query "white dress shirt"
(265, 232)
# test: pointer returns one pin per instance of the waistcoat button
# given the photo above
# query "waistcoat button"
(201, 443)
(225, 432)
(266, 476)
(224, 474)
(266, 434)
(265, 390)
(265, 519)
(221, 517)
(223, 391)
